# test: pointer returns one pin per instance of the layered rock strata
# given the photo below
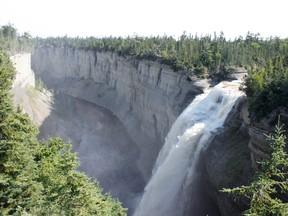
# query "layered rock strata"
(36, 103)
(258, 131)
(146, 96)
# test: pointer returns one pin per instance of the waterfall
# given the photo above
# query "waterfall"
(190, 134)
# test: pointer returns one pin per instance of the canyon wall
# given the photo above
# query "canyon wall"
(227, 160)
(258, 144)
(146, 96)
(37, 104)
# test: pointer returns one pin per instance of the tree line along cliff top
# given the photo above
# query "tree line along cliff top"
(266, 60)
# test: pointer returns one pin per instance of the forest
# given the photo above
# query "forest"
(265, 59)
(25, 161)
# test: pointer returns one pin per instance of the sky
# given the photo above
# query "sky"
(101, 18)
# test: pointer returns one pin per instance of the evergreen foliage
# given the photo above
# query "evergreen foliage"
(201, 56)
(40, 178)
(67, 191)
(207, 57)
(269, 191)
(12, 42)
(194, 53)
(267, 86)
(18, 185)
(37, 177)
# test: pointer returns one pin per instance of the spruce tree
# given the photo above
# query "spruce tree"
(268, 193)
(39, 177)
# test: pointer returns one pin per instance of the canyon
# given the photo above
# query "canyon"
(87, 92)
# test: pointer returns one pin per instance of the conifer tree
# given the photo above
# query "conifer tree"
(268, 193)
(41, 178)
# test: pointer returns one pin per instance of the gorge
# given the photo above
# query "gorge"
(175, 170)
(146, 98)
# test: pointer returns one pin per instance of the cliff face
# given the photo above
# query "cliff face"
(34, 102)
(227, 160)
(258, 144)
(146, 96)
(246, 145)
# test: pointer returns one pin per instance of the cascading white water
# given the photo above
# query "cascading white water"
(189, 135)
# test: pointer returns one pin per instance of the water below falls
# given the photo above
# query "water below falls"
(174, 186)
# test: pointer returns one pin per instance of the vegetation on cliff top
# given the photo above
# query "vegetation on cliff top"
(12, 42)
(208, 55)
(266, 60)
(38, 177)
(267, 86)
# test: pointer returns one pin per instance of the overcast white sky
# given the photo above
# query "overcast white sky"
(146, 17)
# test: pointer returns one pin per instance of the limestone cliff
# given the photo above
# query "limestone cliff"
(146, 96)
(235, 164)
(258, 144)
(37, 104)
(227, 160)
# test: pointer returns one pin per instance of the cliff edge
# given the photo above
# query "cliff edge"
(146, 96)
